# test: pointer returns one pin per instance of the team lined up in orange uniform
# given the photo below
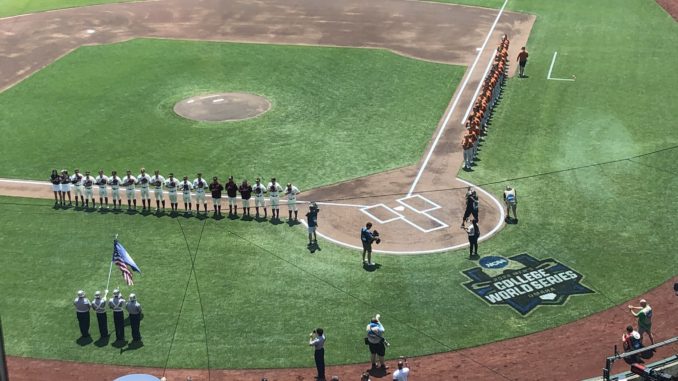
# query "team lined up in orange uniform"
(476, 124)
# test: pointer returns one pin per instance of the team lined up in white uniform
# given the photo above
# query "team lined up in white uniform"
(83, 187)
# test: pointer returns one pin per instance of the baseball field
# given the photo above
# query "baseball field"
(360, 94)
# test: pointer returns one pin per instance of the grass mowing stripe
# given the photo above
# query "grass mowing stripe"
(188, 282)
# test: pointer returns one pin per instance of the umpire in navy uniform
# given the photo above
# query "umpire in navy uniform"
(82, 306)
(99, 306)
(117, 303)
(134, 310)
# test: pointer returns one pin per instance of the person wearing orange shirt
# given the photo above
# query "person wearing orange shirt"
(467, 146)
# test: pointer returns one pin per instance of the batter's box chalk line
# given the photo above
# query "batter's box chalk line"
(553, 62)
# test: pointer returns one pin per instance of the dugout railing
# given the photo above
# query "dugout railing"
(621, 356)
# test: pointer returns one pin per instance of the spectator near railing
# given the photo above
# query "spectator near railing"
(477, 122)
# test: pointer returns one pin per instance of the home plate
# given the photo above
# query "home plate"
(399, 208)
(90, 31)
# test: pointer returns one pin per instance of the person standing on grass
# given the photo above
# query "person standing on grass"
(511, 200)
(216, 190)
(172, 184)
(134, 311)
(99, 307)
(317, 341)
(232, 193)
(76, 180)
(88, 183)
(259, 201)
(65, 188)
(473, 233)
(102, 182)
(158, 181)
(522, 61)
(144, 181)
(117, 304)
(376, 342)
(55, 179)
(186, 187)
(644, 316)
(245, 190)
(274, 190)
(114, 181)
(82, 306)
(367, 238)
(291, 192)
(312, 219)
(200, 184)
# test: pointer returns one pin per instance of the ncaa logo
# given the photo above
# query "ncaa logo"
(493, 262)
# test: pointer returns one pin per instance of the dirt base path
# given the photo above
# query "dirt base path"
(573, 351)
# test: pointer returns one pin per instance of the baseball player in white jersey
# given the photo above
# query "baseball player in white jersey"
(172, 184)
(102, 182)
(76, 180)
(128, 182)
(157, 181)
(88, 183)
(185, 186)
(274, 190)
(291, 192)
(144, 181)
(259, 200)
(65, 188)
(200, 185)
(114, 181)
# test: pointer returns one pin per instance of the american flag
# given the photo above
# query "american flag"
(122, 259)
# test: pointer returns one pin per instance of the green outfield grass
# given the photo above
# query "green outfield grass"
(260, 290)
(19, 7)
(337, 113)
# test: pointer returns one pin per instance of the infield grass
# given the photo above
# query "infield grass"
(19, 7)
(337, 113)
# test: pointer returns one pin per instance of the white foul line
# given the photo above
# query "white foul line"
(480, 84)
(553, 61)
(456, 100)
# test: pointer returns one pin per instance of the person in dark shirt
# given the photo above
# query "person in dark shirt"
(522, 61)
(471, 206)
(245, 190)
(232, 192)
(55, 179)
(367, 238)
(312, 219)
(216, 190)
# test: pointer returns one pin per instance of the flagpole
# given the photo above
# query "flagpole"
(110, 269)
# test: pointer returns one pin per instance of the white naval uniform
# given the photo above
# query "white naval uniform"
(200, 185)
(274, 194)
(292, 198)
(76, 180)
(128, 182)
(171, 184)
(114, 182)
(185, 186)
(144, 180)
(157, 181)
(259, 192)
(101, 181)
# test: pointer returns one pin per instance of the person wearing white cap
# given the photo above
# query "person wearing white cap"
(134, 310)
(117, 303)
(99, 306)
(644, 316)
(82, 304)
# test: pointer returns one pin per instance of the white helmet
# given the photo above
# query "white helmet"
(116, 292)
(97, 294)
(81, 294)
(132, 297)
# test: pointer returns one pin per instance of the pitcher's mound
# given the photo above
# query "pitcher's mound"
(222, 107)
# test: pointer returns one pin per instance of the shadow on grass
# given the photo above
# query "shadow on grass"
(84, 340)
(371, 268)
(313, 247)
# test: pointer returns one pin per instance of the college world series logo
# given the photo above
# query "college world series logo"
(523, 282)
